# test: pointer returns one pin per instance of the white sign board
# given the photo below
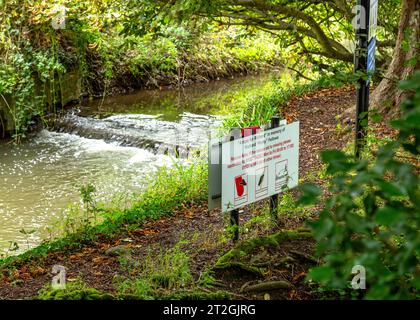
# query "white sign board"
(373, 19)
(215, 168)
(214, 174)
(259, 166)
(215, 165)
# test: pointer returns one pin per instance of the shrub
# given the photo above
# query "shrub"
(372, 218)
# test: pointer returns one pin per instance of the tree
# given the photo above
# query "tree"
(405, 60)
(319, 33)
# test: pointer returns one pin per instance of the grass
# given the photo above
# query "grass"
(165, 274)
(159, 273)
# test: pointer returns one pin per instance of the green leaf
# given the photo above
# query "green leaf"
(362, 178)
(362, 115)
(416, 283)
(331, 155)
(387, 216)
(412, 83)
(337, 161)
(310, 194)
(323, 226)
(375, 116)
(378, 291)
(391, 189)
(413, 120)
(322, 275)
(369, 203)
(355, 222)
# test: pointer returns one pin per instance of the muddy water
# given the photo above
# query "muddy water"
(113, 144)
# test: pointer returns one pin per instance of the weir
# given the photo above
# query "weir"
(143, 131)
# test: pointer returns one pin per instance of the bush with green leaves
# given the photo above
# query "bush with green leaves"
(372, 218)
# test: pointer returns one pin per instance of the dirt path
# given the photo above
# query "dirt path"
(317, 113)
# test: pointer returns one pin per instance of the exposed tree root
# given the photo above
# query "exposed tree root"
(267, 286)
(304, 257)
(275, 262)
(246, 247)
(241, 266)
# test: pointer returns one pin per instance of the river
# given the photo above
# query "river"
(114, 144)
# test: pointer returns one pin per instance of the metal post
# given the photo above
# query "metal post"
(234, 222)
(360, 64)
(274, 199)
(361, 109)
(234, 214)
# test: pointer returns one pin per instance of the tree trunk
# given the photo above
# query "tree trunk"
(387, 97)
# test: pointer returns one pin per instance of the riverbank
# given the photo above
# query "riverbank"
(45, 68)
(107, 258)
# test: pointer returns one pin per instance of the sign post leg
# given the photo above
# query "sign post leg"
(274, 200)
(234, 214)
(361, 121)
(234, 222)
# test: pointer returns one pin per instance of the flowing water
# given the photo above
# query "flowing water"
(114, 144)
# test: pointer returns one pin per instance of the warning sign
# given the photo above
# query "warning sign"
(259, 166)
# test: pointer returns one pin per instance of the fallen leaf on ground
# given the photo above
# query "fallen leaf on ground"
(98, 259)
(299, 276)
